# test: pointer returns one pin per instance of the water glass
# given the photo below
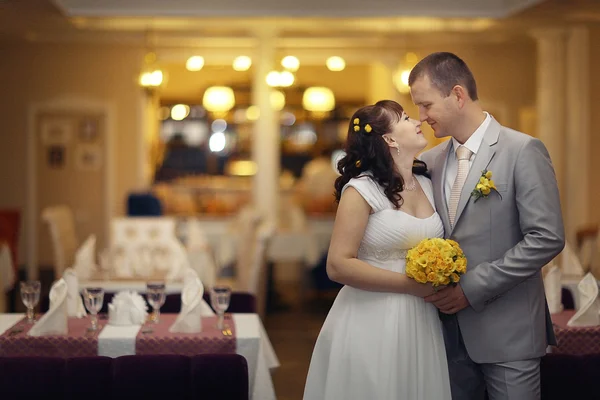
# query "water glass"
(30, 295)
(156, 295)
(93, 298)
(219, 300)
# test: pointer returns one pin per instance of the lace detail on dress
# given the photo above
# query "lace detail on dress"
(381, 254)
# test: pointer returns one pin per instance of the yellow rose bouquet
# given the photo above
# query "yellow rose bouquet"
(437, 261)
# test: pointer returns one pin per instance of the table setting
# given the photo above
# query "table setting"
(577, 331)
(72, 327)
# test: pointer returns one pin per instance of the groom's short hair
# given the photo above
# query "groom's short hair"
(445, 70)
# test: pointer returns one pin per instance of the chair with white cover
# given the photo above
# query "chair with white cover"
(147, 247)
(61, 224)
(253, 234)
(200, 253)
(588, 249)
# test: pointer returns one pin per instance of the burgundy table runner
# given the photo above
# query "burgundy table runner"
(78, 343)
(574, 340)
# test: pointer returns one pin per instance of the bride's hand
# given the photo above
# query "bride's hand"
(415, 288)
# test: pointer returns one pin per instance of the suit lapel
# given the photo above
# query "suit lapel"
(438, 181)
(482, 160)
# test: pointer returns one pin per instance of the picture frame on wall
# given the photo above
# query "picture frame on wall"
(88, 157)
(88, 130)
(56, 156)
(56, 131)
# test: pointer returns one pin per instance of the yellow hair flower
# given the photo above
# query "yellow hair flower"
(368, 128)
(356, 128)
(356, 121)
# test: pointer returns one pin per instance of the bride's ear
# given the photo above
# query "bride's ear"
(389, 140)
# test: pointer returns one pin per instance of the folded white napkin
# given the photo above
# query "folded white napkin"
(84, 263)
(193, 306)
(571, 265)
(75, 307)
(127, 308)
(54, 322)
(589, 311)
(553, 289)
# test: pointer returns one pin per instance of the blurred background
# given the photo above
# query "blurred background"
(200, 110)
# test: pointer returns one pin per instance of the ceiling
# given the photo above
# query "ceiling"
(317, 24)
(361, 29)
(304, 8)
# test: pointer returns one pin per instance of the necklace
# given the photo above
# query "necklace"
(412, 186)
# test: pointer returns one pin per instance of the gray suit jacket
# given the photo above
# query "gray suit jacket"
(507, 238)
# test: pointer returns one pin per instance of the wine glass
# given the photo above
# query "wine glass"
(155, 293)
(219, 300)
(93, 297)
(30, 295)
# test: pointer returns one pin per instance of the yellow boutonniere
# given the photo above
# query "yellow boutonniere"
(484, 186)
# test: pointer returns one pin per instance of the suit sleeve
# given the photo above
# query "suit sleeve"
(540, 218)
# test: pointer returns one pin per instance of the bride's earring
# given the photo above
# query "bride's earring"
(398, 150)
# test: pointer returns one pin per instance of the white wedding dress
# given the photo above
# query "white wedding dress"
(376, 345)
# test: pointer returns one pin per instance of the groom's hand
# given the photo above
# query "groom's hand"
(449, 300)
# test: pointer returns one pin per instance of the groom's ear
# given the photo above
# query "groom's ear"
(460, 95)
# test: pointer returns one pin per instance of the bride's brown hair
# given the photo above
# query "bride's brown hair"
(366, 150)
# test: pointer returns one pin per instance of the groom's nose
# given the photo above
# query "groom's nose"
(422, 114)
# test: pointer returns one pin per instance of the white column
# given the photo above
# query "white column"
(551, 104)
(266, 141)
(148, 138)
(578, 130)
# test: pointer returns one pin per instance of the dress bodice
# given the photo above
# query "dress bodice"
(390, 233)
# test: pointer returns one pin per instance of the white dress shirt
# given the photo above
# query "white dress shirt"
(472, 144)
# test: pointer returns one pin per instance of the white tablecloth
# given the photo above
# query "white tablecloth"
(307, 245)
(252, 343)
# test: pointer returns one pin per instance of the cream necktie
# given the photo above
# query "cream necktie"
(463, 155)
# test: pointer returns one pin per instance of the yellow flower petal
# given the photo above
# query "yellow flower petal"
(356, 128)
(488, 174)
(368, 128)
(356, 121)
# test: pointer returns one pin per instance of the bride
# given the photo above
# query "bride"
(381, 340)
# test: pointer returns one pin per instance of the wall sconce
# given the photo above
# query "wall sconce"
(400, 77)
(151, 77)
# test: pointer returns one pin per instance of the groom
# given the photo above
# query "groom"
(496, 320)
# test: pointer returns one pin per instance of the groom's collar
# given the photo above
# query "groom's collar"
(474, 142)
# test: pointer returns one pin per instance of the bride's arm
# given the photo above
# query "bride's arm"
(343, 266)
